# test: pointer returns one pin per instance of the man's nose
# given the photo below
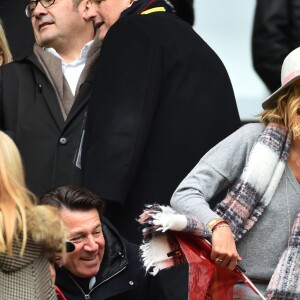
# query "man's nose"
(90, 15)
(39, 10)
(91, 244)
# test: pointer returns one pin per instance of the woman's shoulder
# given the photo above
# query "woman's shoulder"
(239, 142)
(246, 133)
(251, 129)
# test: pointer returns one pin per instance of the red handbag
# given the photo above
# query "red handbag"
(208, 280)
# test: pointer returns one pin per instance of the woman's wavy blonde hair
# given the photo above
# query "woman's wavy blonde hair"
(15, 199)
(4, 48)
(287, 110)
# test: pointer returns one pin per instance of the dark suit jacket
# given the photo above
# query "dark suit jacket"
(30, 113)
(162, 98)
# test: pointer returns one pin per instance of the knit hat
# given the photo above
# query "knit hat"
(290, 72)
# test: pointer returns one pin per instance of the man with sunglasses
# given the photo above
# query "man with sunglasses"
(102, 265)
(44, 96)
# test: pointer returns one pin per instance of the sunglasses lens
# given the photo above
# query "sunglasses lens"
(69, 246)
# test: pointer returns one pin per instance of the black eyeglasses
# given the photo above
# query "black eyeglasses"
(30, 7)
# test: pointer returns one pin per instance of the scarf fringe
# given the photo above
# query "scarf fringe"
(162, 251)
(285, 282)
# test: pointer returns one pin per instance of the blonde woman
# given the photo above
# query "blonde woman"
(258, 222)
(30, 234)
(5, 55)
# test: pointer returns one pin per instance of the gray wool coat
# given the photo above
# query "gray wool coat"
(27, 277)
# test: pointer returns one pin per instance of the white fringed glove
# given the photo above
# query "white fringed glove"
(168, 219)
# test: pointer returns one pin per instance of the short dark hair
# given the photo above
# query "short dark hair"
(72, 198)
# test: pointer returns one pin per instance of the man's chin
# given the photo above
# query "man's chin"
(43, 42)
(88, 274)
(102, 33)
(90, 271)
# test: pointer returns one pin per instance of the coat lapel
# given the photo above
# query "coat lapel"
(85, 81)
(49, 96)
(47, 92)
(81, 100)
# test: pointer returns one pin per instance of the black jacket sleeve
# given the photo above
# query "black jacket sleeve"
(276, 32)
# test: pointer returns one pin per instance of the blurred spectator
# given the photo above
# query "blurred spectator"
(5, 55)
(29, 234)
(44, 96)
(19, 33)
(276, 32)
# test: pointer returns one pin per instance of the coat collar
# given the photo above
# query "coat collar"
(83, 93)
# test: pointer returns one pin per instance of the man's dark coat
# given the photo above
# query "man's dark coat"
(30, 113)
(162, 99)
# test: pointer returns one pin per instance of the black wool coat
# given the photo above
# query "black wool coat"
(162, 98)
(30, 113)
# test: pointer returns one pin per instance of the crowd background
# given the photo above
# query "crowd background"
(10, 11)
(228, 34)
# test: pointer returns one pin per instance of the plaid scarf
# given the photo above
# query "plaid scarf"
(247, 200)
(252, 193)
(147, 6)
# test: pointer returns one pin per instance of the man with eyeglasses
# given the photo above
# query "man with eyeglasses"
(44, 96)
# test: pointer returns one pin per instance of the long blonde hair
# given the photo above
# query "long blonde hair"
(4, 48)
(287, 110)
(15, 199)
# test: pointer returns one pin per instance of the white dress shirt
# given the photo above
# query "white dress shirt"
(73, 69)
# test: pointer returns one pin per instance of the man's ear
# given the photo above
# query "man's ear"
(88, 3)
(85, 7)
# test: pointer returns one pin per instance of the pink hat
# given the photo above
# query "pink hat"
(290, 72)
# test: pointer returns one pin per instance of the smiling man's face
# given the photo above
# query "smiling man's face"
(85, 231)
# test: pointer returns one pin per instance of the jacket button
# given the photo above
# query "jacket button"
(63, 141)
(131, 282)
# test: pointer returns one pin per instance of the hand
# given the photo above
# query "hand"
(224, 250)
